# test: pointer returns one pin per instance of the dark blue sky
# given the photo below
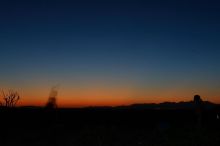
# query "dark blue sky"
(157, 44)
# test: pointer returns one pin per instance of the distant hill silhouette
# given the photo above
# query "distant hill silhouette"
(153, 106)
(172, 105)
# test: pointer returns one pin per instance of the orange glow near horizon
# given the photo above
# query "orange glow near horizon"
(104, 98)
(109, 95)
(87, 103)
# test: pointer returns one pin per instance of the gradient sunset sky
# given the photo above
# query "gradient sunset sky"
(110, 52)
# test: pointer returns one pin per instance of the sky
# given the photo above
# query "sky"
(110, 52)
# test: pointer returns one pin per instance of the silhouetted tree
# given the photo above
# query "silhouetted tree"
(10, 98)
(198, 109)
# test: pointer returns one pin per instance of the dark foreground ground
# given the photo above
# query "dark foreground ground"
(107, 127)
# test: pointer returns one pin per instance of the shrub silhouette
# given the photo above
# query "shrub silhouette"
(10, 98)
(52, 103)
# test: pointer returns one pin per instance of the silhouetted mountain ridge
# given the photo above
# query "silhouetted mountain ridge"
(172, 105)
(154, 106)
